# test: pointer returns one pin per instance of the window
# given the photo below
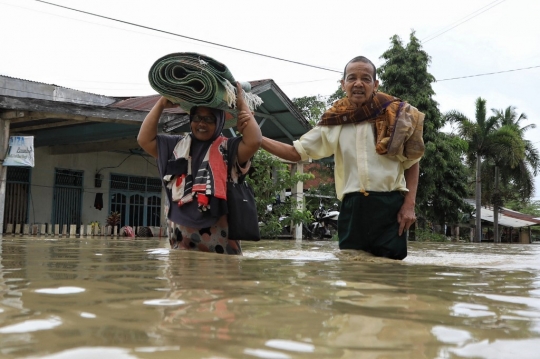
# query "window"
(137, 198)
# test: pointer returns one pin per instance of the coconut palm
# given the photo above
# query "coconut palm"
(517, 182)
(487, 140)
(523, 174)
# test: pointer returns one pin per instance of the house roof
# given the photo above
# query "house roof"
(278, 117)
(507, 217)
(71, 121)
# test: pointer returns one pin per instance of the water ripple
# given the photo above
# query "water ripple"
(60, 290)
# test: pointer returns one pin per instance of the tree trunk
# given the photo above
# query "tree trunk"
(478, 237)
(496, 208)
(455, 232)
(412, 232)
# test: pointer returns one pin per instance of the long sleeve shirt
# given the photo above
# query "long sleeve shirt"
(358, 167)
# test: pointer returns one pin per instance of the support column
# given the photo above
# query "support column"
(163, 209)
(297, 192)
(4, 141)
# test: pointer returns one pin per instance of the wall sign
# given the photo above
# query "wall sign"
(20, 151)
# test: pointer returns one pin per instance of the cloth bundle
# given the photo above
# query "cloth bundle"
(191, 79)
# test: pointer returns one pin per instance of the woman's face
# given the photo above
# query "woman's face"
(203, 124)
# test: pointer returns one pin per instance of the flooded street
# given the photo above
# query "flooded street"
(117, 298)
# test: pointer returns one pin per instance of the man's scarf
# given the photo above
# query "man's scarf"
(398, 125)
(210, 179)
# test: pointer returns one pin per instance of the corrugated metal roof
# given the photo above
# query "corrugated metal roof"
(280, 119)
(507, 217)
(143, 103)
(52, 85)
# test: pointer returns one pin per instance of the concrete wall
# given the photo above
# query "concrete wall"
(42, 180)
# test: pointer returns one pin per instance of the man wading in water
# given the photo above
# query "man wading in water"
(376, 140)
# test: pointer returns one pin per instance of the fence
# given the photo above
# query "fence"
(55, 230)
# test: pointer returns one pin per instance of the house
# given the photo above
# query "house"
(87, 160)
(516, 225)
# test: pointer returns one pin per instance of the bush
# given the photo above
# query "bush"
(424, 235)
(269, 177)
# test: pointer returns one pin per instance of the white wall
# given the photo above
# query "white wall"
(42, 181)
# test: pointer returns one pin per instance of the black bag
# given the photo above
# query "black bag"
(242, 212)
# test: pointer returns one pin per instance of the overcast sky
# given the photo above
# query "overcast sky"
(44, 43)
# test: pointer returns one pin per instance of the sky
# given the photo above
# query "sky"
(45, 43)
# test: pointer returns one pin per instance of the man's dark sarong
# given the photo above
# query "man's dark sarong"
(369, 223)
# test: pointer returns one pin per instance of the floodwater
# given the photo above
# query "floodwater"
(118, 298)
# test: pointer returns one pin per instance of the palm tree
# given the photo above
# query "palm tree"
(517, 181)
(487, 139)
(523, 174)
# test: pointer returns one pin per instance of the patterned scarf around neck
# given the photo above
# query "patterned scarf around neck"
(344, 111)
(398, 125)
(210, 179)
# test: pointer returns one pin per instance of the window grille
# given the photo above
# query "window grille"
(17, 195)
(67, 198)
(135, 198)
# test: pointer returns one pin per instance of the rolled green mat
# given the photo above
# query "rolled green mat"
(191, 79)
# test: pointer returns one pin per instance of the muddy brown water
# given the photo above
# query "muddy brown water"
(116, 298)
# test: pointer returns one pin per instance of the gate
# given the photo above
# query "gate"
(67, 198)
(17, 194)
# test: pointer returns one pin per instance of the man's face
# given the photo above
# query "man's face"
(359, 84)
(203, 124)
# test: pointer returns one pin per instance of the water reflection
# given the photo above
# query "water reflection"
(75, 298)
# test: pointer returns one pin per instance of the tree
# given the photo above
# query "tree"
(269, 177)
(489, 140)
(522, 175)
(443, 176)
(338, 95)
(517, 181)
(528, 207)
(312, 107)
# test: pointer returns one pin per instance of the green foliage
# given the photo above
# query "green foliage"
(270, 177)
(443, 176)
(426, 235)
(520, 177)
(312, 107)
(325, 193)
(338, 95)
(529, 207)
(405, 75)
(499, 143)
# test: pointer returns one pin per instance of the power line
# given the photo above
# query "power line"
(488, 73)
(467, 18)
(190, 38)
(486, 8)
